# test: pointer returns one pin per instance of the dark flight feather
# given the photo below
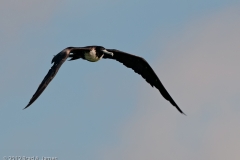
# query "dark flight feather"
(58, 60)
(141, 66)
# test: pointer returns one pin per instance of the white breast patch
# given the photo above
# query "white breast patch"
(91, 56)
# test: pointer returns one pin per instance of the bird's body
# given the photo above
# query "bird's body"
(94, 54)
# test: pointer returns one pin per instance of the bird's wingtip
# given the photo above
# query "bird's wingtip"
(184, 114)
(26, 107)
(175, 105)
(180, 110)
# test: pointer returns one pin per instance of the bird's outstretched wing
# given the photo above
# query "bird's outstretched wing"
(58, 60)
(141, 66)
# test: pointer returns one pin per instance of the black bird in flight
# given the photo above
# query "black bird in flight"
(95, 53)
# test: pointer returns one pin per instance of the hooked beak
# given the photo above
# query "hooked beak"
(106, 52)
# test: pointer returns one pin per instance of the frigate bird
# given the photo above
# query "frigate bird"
(95, 53)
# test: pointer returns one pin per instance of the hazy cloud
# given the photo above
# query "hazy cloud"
(18, 14)
(202, 74)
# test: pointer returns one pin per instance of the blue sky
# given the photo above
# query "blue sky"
(106, 111)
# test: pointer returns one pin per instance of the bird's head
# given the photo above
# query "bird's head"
(103, 50)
